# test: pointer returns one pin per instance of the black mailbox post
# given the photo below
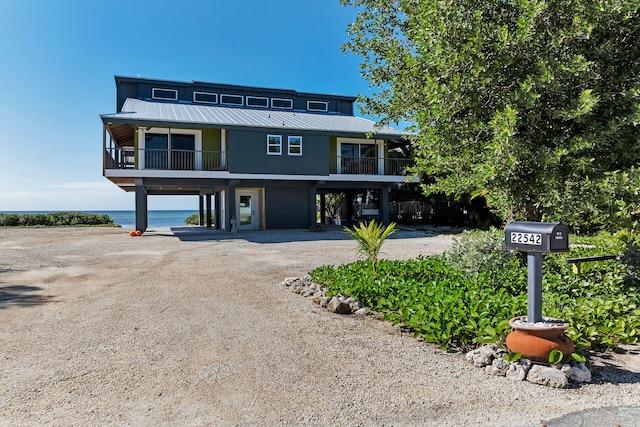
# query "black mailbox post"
(536, 238)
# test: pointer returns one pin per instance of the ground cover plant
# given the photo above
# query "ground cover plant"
(445, 301)
(53, 219)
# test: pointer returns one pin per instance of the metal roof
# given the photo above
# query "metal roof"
(137, 111)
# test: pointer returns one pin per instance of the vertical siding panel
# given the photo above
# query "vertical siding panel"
(287, 207)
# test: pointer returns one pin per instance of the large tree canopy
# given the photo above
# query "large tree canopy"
(533, 104)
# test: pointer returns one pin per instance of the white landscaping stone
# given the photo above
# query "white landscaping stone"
(547, 376)
(518, 370)
(482, 356)
(499, 367)
(580, 373)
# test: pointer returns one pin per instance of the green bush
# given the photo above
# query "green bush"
(482, 253)
(53, 219)
(192, 219)
(430, 297)
(630, 258)
(195, 219)
(450, 301)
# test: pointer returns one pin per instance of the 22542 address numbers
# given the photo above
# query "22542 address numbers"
(526, 238)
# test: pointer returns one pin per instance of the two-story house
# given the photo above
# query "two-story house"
(262, 158)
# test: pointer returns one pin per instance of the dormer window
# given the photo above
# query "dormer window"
(282, 103)
(205, 97)
(232, 99)
(164, 94)
(257, 101)
(317, 106)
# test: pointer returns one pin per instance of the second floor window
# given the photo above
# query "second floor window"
(274, 145)
(295, 146)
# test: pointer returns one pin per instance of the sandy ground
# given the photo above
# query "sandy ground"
(192, 328)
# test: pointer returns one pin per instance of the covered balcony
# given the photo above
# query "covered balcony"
(359, 165)
(164, 159)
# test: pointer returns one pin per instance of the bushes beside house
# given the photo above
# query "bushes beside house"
(53, 219)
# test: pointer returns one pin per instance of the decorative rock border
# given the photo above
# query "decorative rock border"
(336, 304)
(488, 357)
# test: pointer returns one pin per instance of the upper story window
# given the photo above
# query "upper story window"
(274, 145)
(232, 99)
(205, 97)
(257, 101)
(295, 146)
(165, 94)
(317, 106)
(282, 103)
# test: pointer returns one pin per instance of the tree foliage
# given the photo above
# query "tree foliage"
(532, 104)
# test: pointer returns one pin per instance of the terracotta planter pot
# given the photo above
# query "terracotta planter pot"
(536, 342)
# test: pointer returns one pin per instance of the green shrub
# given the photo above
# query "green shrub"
(195, 219)
(630, 258)
(54, 219)
(450, 301)
(428, 296)
(482, 253)
(192, 219)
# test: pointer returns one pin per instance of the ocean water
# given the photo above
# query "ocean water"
(128, 218)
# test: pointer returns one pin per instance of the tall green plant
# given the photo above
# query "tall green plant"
(531, 104)
(370, 238)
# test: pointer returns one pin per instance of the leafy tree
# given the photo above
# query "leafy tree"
(532, 104)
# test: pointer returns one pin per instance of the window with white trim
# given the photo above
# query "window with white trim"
(205, 97)
(282, 103)
(317, 106)
(274, 145)
(295, 146)
(257, 101)
(231, 99)
(164, 94)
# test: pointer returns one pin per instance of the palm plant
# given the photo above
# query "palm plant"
(370, 238)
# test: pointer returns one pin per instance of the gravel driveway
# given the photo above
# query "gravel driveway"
(192, 328)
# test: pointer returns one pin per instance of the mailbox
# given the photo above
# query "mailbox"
(537, 237)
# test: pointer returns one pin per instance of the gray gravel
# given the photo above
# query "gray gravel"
(193, 328)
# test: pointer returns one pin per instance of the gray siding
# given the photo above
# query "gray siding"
(248, 154)
(141, 88)
(287, 207)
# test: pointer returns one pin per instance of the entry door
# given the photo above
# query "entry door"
(248, 209)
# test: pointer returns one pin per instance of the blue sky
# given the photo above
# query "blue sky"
(58, 59)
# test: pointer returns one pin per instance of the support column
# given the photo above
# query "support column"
(208, 197)
(349, 201)
(217, 210)
(230, 207)
(141, 207)
(384, 205)
(201, 215)
(313, 217)
(323, 208)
